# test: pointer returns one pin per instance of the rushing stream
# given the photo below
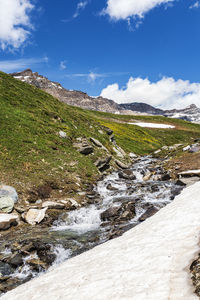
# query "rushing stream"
(120, 201)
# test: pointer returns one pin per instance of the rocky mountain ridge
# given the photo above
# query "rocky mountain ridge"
(83, 100)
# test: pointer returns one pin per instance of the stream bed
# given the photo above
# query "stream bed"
(119, 202)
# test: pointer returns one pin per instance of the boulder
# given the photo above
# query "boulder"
(83, 146)
(9, 191)
(5, 269)
(110, 213)
(62, 134)
(189, 173)
(149, 213)
(96, 142)
(103, 164)
(194, 149)
(127, 174)
(121, 164)
(53, 205)
(111, 188)
(35, 216)
(7, 220)
(132, 155)
(187, 181)
(186, 148)
(6, 204)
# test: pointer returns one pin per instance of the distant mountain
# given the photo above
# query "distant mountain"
(83, 100)
(74, 98)
(142, 108)
(190, 113)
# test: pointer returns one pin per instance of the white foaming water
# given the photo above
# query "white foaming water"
(62, 254)
(88, 218)
(25, 271)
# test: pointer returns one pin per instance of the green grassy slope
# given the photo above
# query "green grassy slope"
(31, 151)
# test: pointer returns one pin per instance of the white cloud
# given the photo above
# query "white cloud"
(21, 64)
(63, 65)
(15, 22)
(195, 5)
(80, 6)
(165, 93)
(119, 9)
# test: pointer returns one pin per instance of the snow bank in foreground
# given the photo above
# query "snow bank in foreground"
(149, 262)
(152, 125)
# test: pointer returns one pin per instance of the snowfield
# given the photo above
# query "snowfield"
(152, 125)
(149, 262)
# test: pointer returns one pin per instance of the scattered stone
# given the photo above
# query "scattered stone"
(187, 180)
(5, 269)
(35, 216)
(165, 148)
(16, 260)
(186, 148)
(83, 146)
(6, 204)
(108, 130)
(165, 177)
(127, 174)
(7, 220)
(194, 149)
(62, 134)
(103, 164)
(96, 142)
(189, 173)
(111, 188)
(53, 205)
(121, 164)
(132, 155)
(101, 131)
(110, 213)
(8, 191)
(149, 213)
(157, 151)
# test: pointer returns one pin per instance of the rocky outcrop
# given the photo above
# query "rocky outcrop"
(35, 216)
(7, 220)
(83, 146)
(75, 98)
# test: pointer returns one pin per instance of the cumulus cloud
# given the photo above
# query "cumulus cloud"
(15, 22)
(166, 93)
(195, 5)
(119, 9)
(21, 64)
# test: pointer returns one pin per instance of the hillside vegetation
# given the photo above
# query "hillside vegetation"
(32, 152)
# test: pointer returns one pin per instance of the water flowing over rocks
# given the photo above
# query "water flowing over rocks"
(118, 202)
(151, 261)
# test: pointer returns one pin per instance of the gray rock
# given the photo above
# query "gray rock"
(9, 191)
(188, 180)
(86, 150)
(7, 220)
(35, 216)
(121, 164)
(126, 174)
(6, 204)
(53, 205)
(96, 142)
(110, 213)
(62, 134)
(5, 269)
(149, 213)
(103, 164)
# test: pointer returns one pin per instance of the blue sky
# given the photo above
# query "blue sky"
(126, 50)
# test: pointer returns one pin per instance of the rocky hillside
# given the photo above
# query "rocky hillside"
(190, 113)
(75, 98)
(142, 108)
(80, 99)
